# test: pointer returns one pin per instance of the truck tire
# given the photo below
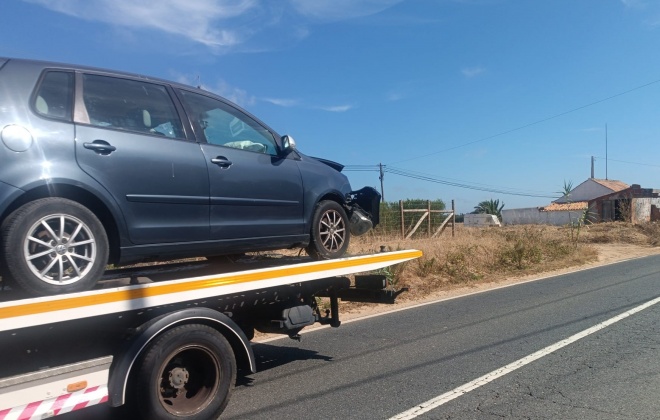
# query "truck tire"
(330, 235)
(53, 245)
(188, 372)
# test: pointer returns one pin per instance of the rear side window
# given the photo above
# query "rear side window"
(54, 96)
(130, 105)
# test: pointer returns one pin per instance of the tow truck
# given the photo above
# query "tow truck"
(168, 342)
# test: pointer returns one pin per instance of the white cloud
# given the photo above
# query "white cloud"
(221, 25)
(287, 103)
(472, 71)
(634, 3)
(336, 108)
(649, 9)
(394, 96)
(340, 9)
(234, 94)
(244, 99)
(197, 20)
(653, 23)
(220, 87)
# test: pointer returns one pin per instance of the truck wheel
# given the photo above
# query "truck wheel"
(53, 245)
(187, 373)
(330, 235)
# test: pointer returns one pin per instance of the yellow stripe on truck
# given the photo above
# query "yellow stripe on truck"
(65, 302)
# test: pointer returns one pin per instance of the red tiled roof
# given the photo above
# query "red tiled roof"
(578, 205)
(613, 185)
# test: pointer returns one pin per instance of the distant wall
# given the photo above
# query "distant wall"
(481, 220)
(642, 209)
(532, 216)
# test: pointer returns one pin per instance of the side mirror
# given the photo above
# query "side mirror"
(288, 143)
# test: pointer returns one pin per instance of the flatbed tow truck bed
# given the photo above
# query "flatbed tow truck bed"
(170, 337)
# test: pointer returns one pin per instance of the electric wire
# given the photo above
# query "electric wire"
(501, 190)
(448, 181)
(529, 124)
(625, 161)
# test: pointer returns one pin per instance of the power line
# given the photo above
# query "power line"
(361, 168)
(530, 124)
(471, 187)
(463, 184)
(477, 187)
(447, 181)
(631, 163)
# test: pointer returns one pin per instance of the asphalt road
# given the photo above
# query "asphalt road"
(381, 367)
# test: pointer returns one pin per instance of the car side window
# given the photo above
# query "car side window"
(130, 105)
(225, 125)
(54, 96)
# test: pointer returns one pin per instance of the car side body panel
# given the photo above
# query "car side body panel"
(161, 184)
(258, 196)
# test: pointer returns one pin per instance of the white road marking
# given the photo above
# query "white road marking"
(489, 377)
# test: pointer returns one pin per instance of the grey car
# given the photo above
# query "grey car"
(100, 167)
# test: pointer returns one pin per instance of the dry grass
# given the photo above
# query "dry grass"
(610, 233)
(477, 255)
(481, 255)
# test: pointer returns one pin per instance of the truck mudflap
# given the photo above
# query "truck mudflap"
(364, 210)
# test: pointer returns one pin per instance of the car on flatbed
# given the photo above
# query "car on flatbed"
(103, 167)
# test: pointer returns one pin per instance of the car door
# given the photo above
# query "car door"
(129, 137)
(255, 192)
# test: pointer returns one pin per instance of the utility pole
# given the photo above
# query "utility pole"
(382, 190)
(592, 166)
(606, 151)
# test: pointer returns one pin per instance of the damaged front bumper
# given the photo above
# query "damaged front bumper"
(364, 210)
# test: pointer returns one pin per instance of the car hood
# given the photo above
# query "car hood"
(334, 165)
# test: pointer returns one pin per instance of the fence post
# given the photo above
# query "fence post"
(403, 226)
(428, 207)
(453, 218)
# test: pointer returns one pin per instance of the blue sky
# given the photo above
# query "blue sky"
(508, 96)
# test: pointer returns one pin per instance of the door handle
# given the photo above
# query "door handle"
(222, 162)
(100, 146)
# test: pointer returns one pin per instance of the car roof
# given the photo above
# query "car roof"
(107, 71)
(44, 64)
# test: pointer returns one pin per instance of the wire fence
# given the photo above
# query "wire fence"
(415, 218)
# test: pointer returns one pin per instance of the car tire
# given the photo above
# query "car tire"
(187, 372)
(329, 235)
(52, 246)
